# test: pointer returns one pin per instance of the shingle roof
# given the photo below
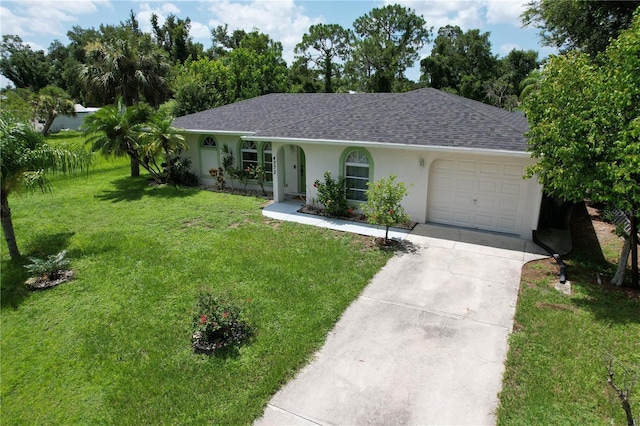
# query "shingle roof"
(422, 117)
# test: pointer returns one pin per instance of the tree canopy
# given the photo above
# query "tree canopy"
(579, 24)
(388, 42)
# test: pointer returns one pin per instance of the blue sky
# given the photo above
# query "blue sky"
(38, 23)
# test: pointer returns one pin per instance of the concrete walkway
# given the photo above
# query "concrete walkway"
(424, 344)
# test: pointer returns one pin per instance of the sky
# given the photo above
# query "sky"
(39, 23)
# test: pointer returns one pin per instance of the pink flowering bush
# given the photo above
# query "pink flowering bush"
(218, 323)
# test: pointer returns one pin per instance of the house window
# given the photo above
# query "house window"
(208, 142)
(356, 173)
(249, 154)
(267, 159)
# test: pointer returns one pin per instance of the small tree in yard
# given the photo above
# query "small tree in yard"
(383, 203)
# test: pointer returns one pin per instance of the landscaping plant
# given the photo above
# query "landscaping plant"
(218, 322)
(332, 194)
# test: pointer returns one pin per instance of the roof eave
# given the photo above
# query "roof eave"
(216, 132)
(368, 144)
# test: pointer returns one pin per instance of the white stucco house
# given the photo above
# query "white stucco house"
(465, 160)
(62, 121)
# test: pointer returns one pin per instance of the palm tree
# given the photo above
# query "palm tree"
(128, 65)
(115, 130)
(161, 138)
(530, 84)
(50, 102)
(25, 159)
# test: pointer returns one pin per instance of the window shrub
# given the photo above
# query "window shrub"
(332, 194)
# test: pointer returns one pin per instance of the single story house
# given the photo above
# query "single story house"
(464, 160)
(62, 121)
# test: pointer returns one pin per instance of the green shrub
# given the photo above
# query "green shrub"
(332, 194)
(49, 267)
(218, 323)
(383, 203)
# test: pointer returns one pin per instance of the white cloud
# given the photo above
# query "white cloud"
(282, 20)
(162, 11)
(466, 14)
(505, 12)
(200, 31)
(45, 17)
(508, 47)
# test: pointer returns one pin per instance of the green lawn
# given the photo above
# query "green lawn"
(556, 371)
(113, 346)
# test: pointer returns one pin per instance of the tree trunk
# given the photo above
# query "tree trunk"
(47, 125)
(7, 227)
(135, 167)
(618, 278)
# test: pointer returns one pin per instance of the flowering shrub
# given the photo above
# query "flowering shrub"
(332, 194)
(218, 323)
(218, 174)
(259, 174)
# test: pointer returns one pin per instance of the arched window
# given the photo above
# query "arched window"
(249, 154)
(208, 142)
(356, 174)
(267, 160)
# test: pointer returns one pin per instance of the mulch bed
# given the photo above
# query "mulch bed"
(44, 282)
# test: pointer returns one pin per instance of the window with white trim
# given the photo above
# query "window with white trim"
(356, 174)
(249, 153)
(267, 160)
(208, 142)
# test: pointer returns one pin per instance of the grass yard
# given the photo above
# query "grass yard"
(556, 371)
(113, 345)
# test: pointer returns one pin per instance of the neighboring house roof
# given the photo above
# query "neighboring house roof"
(79, 108)
(424, 117)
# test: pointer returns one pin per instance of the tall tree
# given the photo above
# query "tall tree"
(115, 130)
(322, 45)
(389, 40)
(25, 160)
(460, 62)
(579, 24)
(27, 69)
(585, 125)
(173, 37)
(51, 102)
(200, 85)
(517, 65)
(126, 64)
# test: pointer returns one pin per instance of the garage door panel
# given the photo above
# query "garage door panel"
(483, 195)
(490, 168)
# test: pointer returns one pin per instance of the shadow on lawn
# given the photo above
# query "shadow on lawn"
(133, 189)
(14, 274)
(607, 303)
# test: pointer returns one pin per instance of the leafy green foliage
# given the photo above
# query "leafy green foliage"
(584, 126)
(332, 194)
(50, 102)
(259, 174)
(383, 206)
(388, 42)
(582, 25)
(27, 69)
(49, 266)
(322, 45)
(218, 322)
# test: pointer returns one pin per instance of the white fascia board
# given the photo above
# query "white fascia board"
(364, 144)
(216, 132)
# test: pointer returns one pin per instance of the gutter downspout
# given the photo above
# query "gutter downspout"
(556, 256)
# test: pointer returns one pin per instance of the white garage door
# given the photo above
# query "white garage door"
(477, 194)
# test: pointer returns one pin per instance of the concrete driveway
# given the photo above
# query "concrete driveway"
(424, 344)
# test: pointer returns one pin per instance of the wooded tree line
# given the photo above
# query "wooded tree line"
(166, 67)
